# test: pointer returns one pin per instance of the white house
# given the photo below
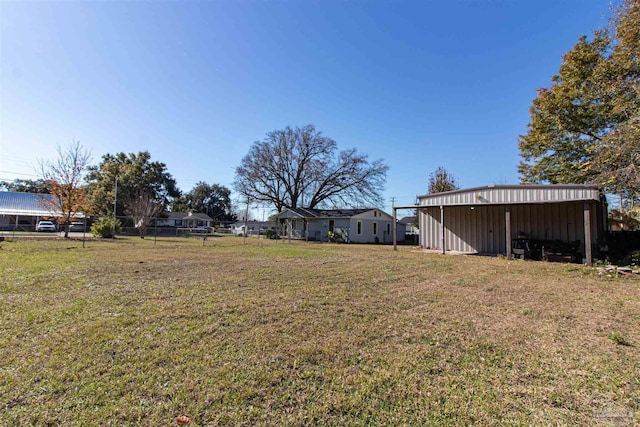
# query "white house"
(185, 220)
(368, 225)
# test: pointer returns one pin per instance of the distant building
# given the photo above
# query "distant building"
(24, 210)
(185, 220)
(342, 225)
(253, 228)
(411, 229)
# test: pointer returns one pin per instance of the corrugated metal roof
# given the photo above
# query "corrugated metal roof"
(27, 204)
(512, 194)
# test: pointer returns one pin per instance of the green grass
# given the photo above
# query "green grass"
(136, 333)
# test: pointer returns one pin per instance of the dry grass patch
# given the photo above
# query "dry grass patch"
(132, 333)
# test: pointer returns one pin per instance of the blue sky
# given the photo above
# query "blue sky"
(420, 84)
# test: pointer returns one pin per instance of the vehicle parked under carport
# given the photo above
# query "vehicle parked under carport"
(46, 226)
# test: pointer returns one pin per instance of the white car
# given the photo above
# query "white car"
(45, 226)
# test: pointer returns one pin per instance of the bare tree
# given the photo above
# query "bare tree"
(301, 168)
(63, 178)
(143, 208)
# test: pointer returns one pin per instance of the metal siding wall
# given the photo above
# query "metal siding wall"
(469, 230)
(482, 229)
(434, 229)
(430, 228)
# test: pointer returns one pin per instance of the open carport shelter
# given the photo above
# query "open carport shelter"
(486, 220)
(24, 210)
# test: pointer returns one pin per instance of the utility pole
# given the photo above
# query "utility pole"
(246, 214)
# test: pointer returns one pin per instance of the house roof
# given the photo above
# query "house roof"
(407, 220)
(173, 215)
(186, 215)
(27, 204)
(201, 216)
(325, 213)
(513, 194)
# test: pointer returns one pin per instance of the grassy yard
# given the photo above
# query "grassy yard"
(132, 333)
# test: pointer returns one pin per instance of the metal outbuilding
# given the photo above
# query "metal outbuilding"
(486, 219)
(16, 207)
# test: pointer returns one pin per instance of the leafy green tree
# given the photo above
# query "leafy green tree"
(25, 186)
(628, 220)
(135, 173)
(618, 158)
(584, 128)
(441, 181)
(212, 199)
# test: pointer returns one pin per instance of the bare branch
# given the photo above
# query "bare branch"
(300, 167)
(63, 177)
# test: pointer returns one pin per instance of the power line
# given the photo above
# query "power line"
(19, 173)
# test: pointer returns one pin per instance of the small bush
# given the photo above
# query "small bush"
(270, 234)
(632, 258)
(104, 227)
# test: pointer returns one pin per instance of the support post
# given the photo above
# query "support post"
(246, 217)
(587, 233)
(395, 243)
(444, 249)
(507, 221)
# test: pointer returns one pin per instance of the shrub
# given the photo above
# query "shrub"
(104, 227)
(270, 234)
(632, 258)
